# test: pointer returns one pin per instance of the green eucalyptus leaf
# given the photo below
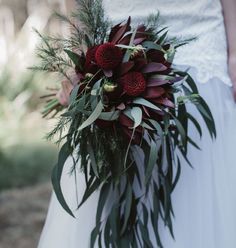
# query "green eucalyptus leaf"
(189, 80)
(178, 173)
(193, 143)
(74, 94)
(153, 155)
(93, 117)
(185, 156)
(181, 130)
(129, 51)
(137, 115)
(64, 153)
(152, 45)
(92, 159)
(196, 124)
(146, 126)
(145, 234)
(103, 197)
(91, 188)
(162, 77)
(95, 93)
(128, 204)
(142, 101)
(113, 218)
(125, 242)
(158, 127)
(170, 53)
(74, 57)
(94, 235)
(107, 232)
(162, 38)
(145, 215)
(109, 116)
(207, 116)
(203, 111)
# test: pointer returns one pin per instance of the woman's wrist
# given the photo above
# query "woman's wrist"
(232, 56)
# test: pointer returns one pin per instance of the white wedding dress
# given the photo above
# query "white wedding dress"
(205, 197)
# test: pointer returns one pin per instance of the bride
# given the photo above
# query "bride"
(205, 197)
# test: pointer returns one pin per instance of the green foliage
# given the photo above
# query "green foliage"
(105, 155)
(91, 16)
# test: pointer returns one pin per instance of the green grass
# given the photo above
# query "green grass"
(26, 164)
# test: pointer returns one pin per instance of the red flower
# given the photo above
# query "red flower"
(90, 65)
(133, 83)
(90, 55)
(108, 56)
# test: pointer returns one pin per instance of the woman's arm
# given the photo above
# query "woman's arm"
(229, 11)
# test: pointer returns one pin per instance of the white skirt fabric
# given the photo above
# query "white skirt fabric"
(204, 200)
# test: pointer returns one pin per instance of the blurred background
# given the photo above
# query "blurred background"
(26, 158)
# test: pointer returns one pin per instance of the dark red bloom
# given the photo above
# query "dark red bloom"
(133, 83)
(90, 62)
(108, 56)
(90, 55)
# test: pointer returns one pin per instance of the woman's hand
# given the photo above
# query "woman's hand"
(232, 73)
(63, 94)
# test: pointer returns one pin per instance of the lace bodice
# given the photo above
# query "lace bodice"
(185, 18)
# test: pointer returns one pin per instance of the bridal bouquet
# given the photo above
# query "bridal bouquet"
(125, 123)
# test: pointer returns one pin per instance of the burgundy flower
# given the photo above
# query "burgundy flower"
(90, 55)
(90, 65)
(133, 83)
(108, 56)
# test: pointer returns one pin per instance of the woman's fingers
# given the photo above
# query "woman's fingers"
(64, 93)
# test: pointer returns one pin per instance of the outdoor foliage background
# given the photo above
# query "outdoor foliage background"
(26, 158)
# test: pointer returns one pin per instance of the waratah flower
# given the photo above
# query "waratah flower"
(133, 83)
(108, 56)
(90, 55)
(90, 62)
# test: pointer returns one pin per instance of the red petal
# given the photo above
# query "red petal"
(123, 29)
(177, 79)
(136, 138)
(137, 41)
(164, 101)
(125, 67)
(156, 56)
(141, 28)
(152, 82)
(125, 121)
(154, 67)
(157, 115)
(114, 30)
(153, 92)
(125, 40)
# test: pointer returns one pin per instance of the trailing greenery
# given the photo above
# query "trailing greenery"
(135, 191)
